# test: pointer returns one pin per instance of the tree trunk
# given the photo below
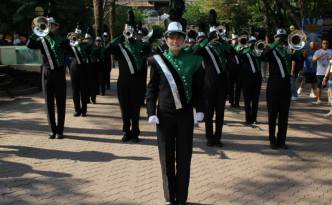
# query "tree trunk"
(98, 15)
(267, 19)
(112, 18)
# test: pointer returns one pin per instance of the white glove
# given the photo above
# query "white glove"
(153, 119)
(199, 116)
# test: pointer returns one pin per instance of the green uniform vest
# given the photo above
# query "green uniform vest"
(185, 64)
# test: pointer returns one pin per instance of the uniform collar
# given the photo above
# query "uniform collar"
(172, 54)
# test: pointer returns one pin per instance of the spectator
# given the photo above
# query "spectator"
(322, 57)
(2, 40)
(17, 40)
(297, 67)
(309, 71)
(327, 80)
(23, 39)
(8, 40)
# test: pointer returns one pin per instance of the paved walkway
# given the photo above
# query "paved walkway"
(93, 166)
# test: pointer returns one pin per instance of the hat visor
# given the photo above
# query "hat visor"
(280, 35)
(169, 33)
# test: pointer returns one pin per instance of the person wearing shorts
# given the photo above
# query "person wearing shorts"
(327, 80)
(322, 57)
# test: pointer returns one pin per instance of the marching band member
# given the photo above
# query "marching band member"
(278, 91)
(176, 83)
(251, 79)
(131, 54)
(52, 47)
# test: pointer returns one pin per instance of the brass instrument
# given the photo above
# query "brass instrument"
(148, 36)
(128, 31)
(221, 30)
(243, 41)
(259, 47)
(297, 40)
(40, 26)
(74, 38)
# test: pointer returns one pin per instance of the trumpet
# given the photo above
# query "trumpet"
(40, 26)
(74, 38)
(259, 47)
(297, 40)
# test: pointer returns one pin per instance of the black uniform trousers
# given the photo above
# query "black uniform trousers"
(55, 91)
(79, 82)
(251, 91)
(234, 89)
(108, 67)
(175, 141)
(92, 81)
(215, 103)
(102, 77)
(278, 96)
(128, 95)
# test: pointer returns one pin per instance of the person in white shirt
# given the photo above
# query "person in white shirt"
(322, 57)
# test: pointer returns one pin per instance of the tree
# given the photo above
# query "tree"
(98, 15)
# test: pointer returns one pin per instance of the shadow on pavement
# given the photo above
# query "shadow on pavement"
(45, 154)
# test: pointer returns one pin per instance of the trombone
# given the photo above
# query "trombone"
(297, 40)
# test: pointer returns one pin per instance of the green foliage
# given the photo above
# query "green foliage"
(194, 14)
(17, 15)
(121, 18)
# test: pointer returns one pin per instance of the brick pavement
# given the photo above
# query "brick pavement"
(93, 166)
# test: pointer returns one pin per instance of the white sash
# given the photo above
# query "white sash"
(251, 63)
(279, 63)
(76, 55)
(125, 54)
(237, 60)
(213, 59)
(171, 81)
(48, 55)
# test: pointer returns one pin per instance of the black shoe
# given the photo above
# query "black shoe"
(210, 143)
(219, 144)
(83, 114)
(248, 124)
(94, 102)
(135, 139)
(51, 135)
(126, 137)
(273, 145)
(60, 136)
(169, 203)
(283, 146)
(76, 114)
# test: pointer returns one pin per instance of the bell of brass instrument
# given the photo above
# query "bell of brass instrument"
(74, 38)
(40, 26)
(148, 36)
(259, 47)
(243, 41)
(297, 40)
(221, 30)
(128, 31)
